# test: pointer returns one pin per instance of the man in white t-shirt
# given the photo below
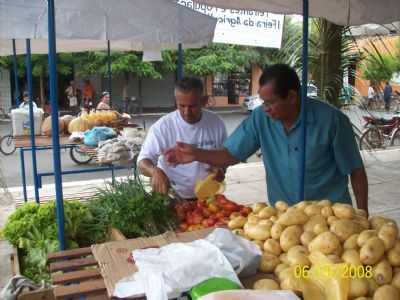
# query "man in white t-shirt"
(189, 123)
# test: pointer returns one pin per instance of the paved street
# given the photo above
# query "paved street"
(10, 165)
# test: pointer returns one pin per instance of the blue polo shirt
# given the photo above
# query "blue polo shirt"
(331, 152)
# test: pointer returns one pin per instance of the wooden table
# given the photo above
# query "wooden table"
(41, 141)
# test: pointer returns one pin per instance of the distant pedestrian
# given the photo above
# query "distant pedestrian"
(371, 96)
(387, 95)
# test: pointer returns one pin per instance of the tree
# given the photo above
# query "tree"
(125, 64)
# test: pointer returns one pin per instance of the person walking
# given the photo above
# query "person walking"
(387, 95)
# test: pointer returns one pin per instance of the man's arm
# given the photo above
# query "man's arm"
(184, 153)
(159, 180)
(359, 182)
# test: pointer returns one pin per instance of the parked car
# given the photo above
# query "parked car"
(252, 102)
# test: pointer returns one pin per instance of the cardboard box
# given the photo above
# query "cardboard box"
(112, 257)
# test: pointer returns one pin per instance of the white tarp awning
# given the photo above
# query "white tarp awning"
(83, 25)
(342, 12)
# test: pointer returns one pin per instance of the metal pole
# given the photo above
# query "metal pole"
(109, 69)
(15, 73)
(31, 117)
(23, 175)
(180, 62)
(304, 79)
(54, 123)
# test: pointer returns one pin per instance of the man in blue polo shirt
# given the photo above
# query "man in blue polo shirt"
(331, 150)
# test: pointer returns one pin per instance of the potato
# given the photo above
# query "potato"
(314, 220)
(268, 263)
(257, 207)
(358, 288)
(327, 211)
(331, 219)
(365, 235)
(351, 242)
(361, 212)
(396, 270)
(352, 257)
(396, 281)
(284, 258)
(298, 249)
(284, 273)
(290, 237)
(302, 205)
(265, 222)
(272, 247)
(386, 292)
(238, 232)
(258, 232)
(266, 284)
(320, 228)
(307, 237)
(344, 228)
(253, 219)
(267, 212)
(237, 223)
(388, 233)
(279, 268)
(293, 216)
(372, 286)
(276, 230)
(334, 259)
(361, 221)
(274, 218)
(343, 211)
(393, 256)
(325, 203)
(326, 243)
(382, 272)
(378, 221)
(362, 298)
(372, 251)
(312, 210)
(281, 206)
(234, 215)
(298, 258)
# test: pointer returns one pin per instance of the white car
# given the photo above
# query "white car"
(252, 102)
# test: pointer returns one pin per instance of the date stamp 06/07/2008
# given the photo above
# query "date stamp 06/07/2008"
(334, 271)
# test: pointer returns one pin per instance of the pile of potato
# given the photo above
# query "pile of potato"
(289, 236)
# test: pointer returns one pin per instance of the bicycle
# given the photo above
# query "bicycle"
(7, 144)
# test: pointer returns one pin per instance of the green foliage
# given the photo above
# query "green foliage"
(379, 66)
(123, 63)
(33, 229)
(127, 207)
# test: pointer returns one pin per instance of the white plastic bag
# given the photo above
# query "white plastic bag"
(174, 269)
(243, 255)
(251, 295)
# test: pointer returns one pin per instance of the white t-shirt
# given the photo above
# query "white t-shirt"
(208, 133)
(371, 92)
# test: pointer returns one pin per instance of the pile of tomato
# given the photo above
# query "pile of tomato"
(195, 215)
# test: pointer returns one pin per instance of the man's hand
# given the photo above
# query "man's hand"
(182, 153)
(219, 173)
(159, 181)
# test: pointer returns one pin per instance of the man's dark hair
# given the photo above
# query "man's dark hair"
(189, 84)
(284, 77)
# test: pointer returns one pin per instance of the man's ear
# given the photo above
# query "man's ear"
(292, 96)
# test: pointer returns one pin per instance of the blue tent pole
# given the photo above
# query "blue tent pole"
(15, 73)
(54, 123)
(304, 79)
(180, 62)
(109, 68)
(31, 117)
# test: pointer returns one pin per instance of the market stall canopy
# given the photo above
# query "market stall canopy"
(87, 25)
(342, 12)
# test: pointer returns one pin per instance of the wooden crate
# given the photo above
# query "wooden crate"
(76, 274)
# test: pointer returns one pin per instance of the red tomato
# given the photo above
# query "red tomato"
(230, 206)
(220, 224)
(226, 213)
(214, 218)
(245, 211)
(213, 208)
(210, 222)
(183, 226)
(197, 219)
(181, 215)
(220, 215)
(206, 213)
(205, 223)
